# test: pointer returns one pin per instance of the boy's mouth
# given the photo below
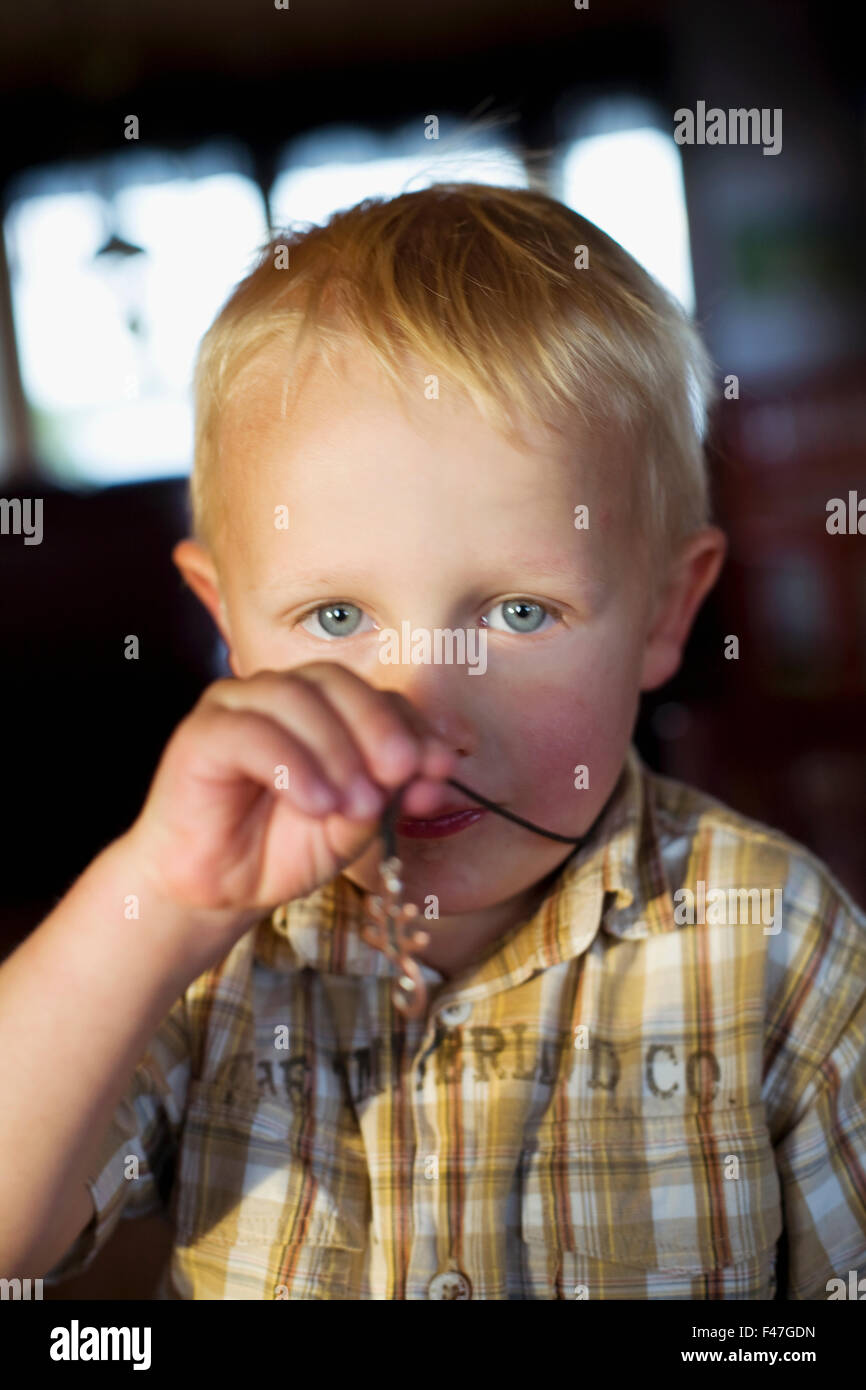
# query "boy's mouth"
(434, 827)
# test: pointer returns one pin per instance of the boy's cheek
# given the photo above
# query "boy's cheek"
(661, 661)
(572, 748)
(255, 647)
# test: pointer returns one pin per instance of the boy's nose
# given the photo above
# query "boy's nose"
(437, 702)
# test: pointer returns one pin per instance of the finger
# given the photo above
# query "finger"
(396, 740)
(303, 709)
(438, 758)
(245, 743)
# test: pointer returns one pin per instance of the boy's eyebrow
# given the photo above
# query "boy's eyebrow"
(313, 578)
(567, 569)
(542, 569)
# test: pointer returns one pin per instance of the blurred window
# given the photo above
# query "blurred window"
(116, 270)
(334, 168)
(624, 172)
(118, 267)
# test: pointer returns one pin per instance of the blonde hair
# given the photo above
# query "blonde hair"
(480, 282)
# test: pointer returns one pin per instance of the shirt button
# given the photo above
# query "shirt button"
(454, 1014)
(450, 1283)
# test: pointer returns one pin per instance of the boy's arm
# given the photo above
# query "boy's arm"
(821, 1151)
(822, 1168)
(80, 1000)
(145, 1126)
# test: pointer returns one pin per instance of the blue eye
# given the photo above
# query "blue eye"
(337, 620)
(521, 615)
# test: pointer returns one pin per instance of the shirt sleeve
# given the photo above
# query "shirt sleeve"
(133, 1173)
(821, 1156)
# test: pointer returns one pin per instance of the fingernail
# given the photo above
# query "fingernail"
(397, 749)
(362, 798)
(323, 798)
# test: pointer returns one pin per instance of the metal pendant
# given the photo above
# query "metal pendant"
(388, 927)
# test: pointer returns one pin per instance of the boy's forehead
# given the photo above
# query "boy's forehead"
(271, 404)
(346, 456)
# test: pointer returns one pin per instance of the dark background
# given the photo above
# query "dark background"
(778, 733)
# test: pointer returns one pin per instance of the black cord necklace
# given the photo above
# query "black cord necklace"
(388, 926)
(389, 818)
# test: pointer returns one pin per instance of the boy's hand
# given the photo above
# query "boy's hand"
(217, 833)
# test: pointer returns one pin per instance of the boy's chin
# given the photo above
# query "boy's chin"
(421, 859)
(419, 878)
(438, 893)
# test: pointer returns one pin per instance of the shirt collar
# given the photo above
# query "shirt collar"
(598, 886)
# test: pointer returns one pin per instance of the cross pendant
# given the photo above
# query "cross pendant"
(388, 928)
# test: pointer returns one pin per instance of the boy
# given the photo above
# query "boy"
(462, 409)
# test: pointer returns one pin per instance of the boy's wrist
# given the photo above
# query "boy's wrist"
(191, 937)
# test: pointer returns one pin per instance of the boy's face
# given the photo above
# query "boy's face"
(429, 518)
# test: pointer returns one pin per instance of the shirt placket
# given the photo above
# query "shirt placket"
(438, 1267)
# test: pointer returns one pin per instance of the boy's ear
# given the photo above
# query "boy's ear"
(199, 572)
(692, 574)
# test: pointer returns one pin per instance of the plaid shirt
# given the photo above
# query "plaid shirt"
(612, 1103)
